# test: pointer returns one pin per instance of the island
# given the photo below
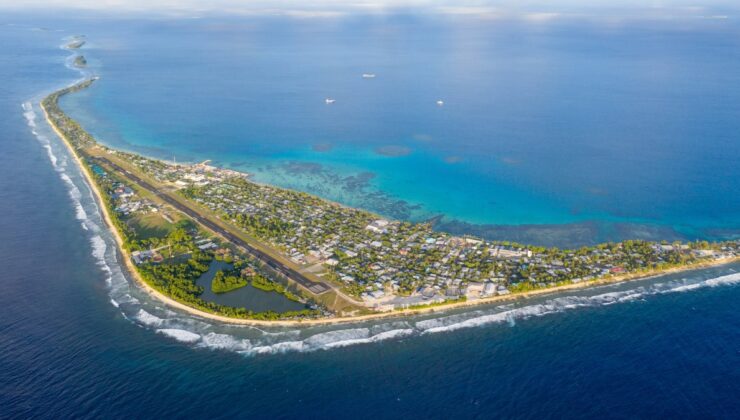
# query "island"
(76, 42)
(80, 62)
(173, 221)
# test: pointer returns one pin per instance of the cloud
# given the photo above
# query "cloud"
(541, 16)
(480, 11)
(534, 11)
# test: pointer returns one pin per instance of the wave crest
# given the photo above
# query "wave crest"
(250, 340)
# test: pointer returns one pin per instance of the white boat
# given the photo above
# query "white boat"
(368, 75)
(329, 101)
(440, 102)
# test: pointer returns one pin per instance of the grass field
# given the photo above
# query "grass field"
(151, 225)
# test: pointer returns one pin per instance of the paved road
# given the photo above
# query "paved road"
(315, 287)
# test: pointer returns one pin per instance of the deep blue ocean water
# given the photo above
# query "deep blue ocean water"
(77, 340)
(559, 133)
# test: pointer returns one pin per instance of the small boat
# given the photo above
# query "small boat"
(440, 102)
(329, 101)
(368, 75)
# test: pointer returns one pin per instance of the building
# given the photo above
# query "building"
(489, 288)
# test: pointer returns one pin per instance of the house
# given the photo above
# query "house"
(206, 246)
(428, 293)
(704, 253)
(141, 257)
(377, 294)
(378, 226)
(474, 289)
(502, 252)
(489, 288)
(223, 252)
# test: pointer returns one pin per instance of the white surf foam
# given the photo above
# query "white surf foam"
(388, 335)
(562, 304)
(192, 331)
(321, 341)
(98, 248)
(102, 245)
(505, 316)
(30, 116)
(217, 341)
(327, 338)
(52, 156)
(146, 318)
(727, 280)
(180, 335)
(125, 298)
(282, 347)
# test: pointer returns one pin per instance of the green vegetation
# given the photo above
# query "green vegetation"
(178, 280)
(224, 282)
(267, 285)
(174, 259)
(435, 304)
(363, 253)
(150, 226)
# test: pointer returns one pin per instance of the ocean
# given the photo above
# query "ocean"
(78, 340)
(559, 134)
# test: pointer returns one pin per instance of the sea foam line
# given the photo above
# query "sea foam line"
(565, 303)
(191, 331)
(187, 329)
(103, 249)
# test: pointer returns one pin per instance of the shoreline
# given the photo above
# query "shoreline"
(139, 281)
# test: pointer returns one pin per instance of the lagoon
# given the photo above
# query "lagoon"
(560, 134)
(248, 296)
(67, 350)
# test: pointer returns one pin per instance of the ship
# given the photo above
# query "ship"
(329, 101)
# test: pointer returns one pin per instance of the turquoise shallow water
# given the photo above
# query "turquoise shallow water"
(563, 133)
(78, 340)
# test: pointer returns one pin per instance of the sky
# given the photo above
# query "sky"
(492, 9)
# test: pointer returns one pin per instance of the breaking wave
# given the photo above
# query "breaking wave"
(314, 339)
(180, 335)
(146, 318)
(561, 304)
(260, 342)
(139, 308)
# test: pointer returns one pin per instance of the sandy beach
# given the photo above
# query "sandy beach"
(131, 269)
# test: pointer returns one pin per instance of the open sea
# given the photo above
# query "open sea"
(564, 133)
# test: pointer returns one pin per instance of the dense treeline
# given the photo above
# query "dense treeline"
(173, 277)
(226, 281)
(298, 221)
(178, 281)
(263, 283)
